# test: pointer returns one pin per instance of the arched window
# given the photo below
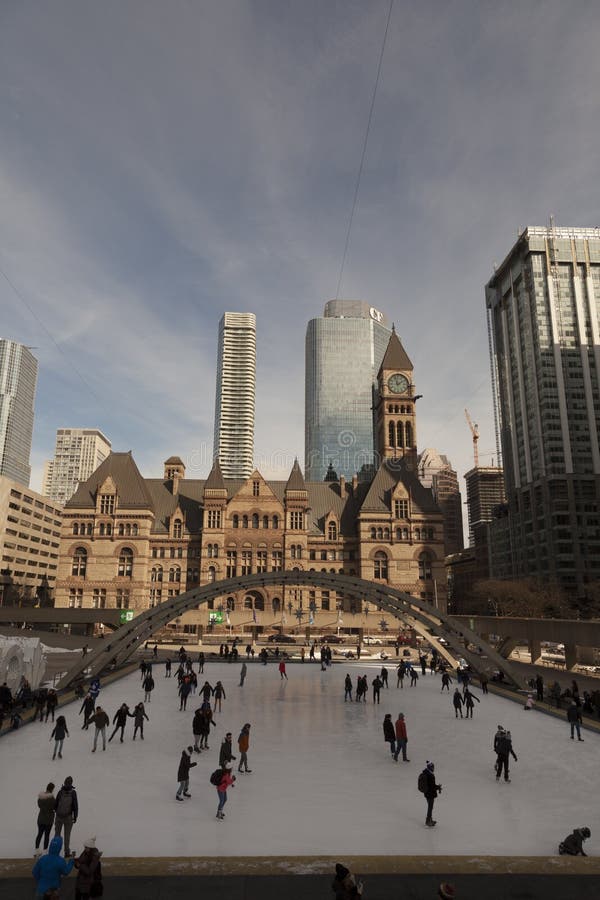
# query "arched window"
(373, 533)
(125, 562)
(380, 534)
(212, 573)
(425, 560)
(175, 573)
(108, 529)
(79, 562)
(259, 603)
(398, 534)
(156, 574)
(236, 521)
(128, 529)
(276, 604)
(380, 565)
(265, 522)
(247, 602)
(431, 534)
(332, 532)
(417, 534)
(75, 527)
(255, 520)
(275, 521)
(177, 528)
(408, 434)
(392, 434)
(195, 575)
(89, 529)
(134, 529)
(405, 534)
(121, 529)
(231, 604)
(386, 534)
(400, 434)
(102, 529)
(244, 521)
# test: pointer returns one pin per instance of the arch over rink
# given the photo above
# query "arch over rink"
(427, 621)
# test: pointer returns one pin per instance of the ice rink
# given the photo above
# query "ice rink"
(323, 780)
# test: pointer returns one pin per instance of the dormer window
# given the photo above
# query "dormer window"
(177, 528)
(332, 532)
(107, 504)
(255, 488)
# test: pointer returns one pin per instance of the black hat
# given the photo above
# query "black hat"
(341, 871)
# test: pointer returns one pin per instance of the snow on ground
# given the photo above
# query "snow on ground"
(323, 780)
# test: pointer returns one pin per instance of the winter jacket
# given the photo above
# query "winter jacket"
(389, 733)
(225, 754)
(469, 697)
(573, 714)
(59, 732)
(74, 803)
(185, 764)
(244, 740)
(226, 781)
(197, 723)
(431, 789)
(148, 683)
(100, 719)
(51, 700)
(345, 887)
(497, 737)
(457, 700)
(87, 706)
(220, 692)
(120, 717)
(573, 844)
(401, 730)
(377, 683)
(50, 868)
(504, 747)
(88, 870)
(46, 806)
(139, 715)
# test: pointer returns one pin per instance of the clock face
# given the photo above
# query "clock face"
(398, 384)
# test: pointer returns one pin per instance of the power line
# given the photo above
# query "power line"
(364, 150)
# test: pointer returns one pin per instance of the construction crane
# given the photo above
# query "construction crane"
(475, 432)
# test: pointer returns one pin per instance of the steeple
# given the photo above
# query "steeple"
(296, 480)
(214, 486)
(395, 357)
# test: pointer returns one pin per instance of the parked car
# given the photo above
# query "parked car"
(281, 639)
(371, 640)
(332, 639)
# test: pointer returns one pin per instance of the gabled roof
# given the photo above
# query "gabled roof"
(215, 481)
(131, 487)
(395, 356)
(379, 494)
(296, 480)
(174, 461)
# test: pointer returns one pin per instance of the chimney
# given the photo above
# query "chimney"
(354, 483)
(342, 485)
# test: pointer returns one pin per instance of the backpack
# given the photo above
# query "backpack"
(65, 804)
(216, 777)
(422, 781)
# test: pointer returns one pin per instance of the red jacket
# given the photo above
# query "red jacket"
(401, 730)
(226, 781)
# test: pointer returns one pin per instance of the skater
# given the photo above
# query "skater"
(184, 691)
(87, 708)
(483, 681)
(430, 789)
(66, 808)
(220, 695)
(51, 703)
(384, 677)
(94, 689)
(120, 720)
(539, 686)
(139, 714)
(201, 661)
(45, 819)
(225, 754)
(183, 773)
(573, 843)
(168, 665)
(414, 676)
(401, 738)
(311, 653)
(227, 780)
(197, 729)
(101, 721)
(446, 681)
(302, 655)
(206, 720)
(359, 689)
(573, 718)
(529, 702)
(40, 704)
(348, 689)
(155, 651)
(89, 872)
(364, 688)
(243, 672)
(50, 868)
(468, 698)
(423, 661)
(457, 702)
(504, 749)
(400, 673)
(143, 667)
(207, 692)
(243, 744)
(282, 671)
(248, 651)
(389, 733)
(344, 884)
(377, 684)
(59, 733)
(148, 685)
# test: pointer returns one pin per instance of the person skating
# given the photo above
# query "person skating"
(243, 672)
(227, 780)
(197, 729)
(50, 869)
(120, 720)
(400, 673)
(423, 662)
(183, 773)
(504, 750)
(40, 704)
(401, 738)
(45, 819)
(66, 809)
(468, 698)
(414, 676)
(51, 703)
(446, 681)
(206, 720)
(483, 681)
(142, 668)
(431, 790)
(573, 843)
(207, 691)
(225, 754)
(59, 733)
(148, 685)
(389, 733)
(377, 685)
(348, 689)
(220, 695)
(282, 671)
(185, 689)
(168, 666)
(457, 702)
(574, 719)
(243, 745)
(139, 714)
(89, 871)
(201, 661)
(365, 688)
(87, 708)
(539, 686)
(344, 885)
(384, 677)
(101, 721)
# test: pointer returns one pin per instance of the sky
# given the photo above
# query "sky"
(163, 163)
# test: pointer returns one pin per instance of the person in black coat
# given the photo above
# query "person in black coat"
(432, 789)
(148, 685)
(504, 748)
(377, 685)
(457, 702)
(120, 720)
(446, 681)
(183, 773)
(389, 733)
(574, 720)
(225, 754)
(87, 708)
(468, 698)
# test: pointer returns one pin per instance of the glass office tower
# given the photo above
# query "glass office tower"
(18, 379)
(344, 350)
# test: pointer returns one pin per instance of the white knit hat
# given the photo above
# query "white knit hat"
(91, 843)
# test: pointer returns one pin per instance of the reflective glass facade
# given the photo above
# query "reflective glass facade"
(343, 356)
(18, 379)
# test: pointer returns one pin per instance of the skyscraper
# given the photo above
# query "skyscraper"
(18, 378)
(435, 471)
(235, 396)
(78, 452)
(344, 350)
(543, 306)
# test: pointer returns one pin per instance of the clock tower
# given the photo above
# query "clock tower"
(395, 419)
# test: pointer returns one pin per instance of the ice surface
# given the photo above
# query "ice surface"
(323, 780)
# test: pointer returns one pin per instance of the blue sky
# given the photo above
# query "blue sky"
(161, 163)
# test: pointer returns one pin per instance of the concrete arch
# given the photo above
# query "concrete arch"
(420, 615)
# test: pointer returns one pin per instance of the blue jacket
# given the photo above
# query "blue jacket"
(50, 868)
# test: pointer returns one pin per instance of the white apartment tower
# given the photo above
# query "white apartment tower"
(18, 378)
(235, 395)
(78, 452)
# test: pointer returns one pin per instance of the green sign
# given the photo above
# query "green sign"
(215, 618)
(126, 615)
